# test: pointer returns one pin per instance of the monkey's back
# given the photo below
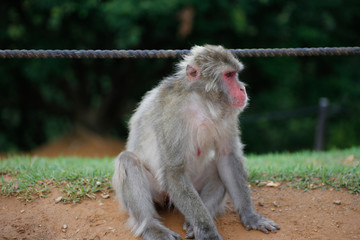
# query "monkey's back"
(142, 136)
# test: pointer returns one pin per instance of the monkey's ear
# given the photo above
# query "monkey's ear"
(192, 73)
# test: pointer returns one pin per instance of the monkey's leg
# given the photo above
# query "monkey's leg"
(133, 188)
(212, 194)
(235, 178)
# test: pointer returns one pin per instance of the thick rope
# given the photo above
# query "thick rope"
(276, 52)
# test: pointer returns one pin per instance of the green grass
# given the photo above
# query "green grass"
(308, 170)
(33, 177)
(77, 178)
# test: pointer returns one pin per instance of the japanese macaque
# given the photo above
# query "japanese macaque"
(184, 148)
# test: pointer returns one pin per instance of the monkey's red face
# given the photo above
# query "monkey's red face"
(229, 78)
(236, 89)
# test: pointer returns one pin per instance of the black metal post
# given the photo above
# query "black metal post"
(321, 122)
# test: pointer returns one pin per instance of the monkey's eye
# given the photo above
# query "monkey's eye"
(230, 74)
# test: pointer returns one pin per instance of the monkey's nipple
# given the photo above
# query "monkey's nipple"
(198, 152)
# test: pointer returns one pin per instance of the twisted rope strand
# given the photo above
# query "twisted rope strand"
(102, 54)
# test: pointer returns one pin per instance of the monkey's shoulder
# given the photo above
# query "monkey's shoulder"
(174, 85)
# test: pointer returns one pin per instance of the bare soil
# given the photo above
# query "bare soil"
(318, 214)
(81, 143)
(301, 215)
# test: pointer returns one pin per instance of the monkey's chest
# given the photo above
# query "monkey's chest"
(209, 130)
(199, 164)
(209, 139)
(207, 147)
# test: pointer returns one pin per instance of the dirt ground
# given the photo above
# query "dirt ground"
(318, 214)
(81, 143)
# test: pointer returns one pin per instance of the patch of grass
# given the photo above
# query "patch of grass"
(77, 178)
(308, 170)
(32, 177)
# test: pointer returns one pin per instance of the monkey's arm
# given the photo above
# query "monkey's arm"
(173, 148)
(187, 200)
(235, 178)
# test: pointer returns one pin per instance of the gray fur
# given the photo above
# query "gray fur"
(184, 146)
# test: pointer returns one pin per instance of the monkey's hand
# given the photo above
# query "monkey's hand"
(253, 220)
(204, 236)
(189, 230)
(158, 232)
(210, 235)
(190, 233)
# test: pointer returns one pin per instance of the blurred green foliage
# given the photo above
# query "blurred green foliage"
(41, 99)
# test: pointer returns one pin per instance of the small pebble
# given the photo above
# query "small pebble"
(105, 196)
(273, 184)
(337, 202)
(57, 200)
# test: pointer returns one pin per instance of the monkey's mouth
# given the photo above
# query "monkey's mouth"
(239, 103)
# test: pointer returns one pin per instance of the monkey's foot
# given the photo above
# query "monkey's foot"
(160, 232)
(189, 231)
(258, 222)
